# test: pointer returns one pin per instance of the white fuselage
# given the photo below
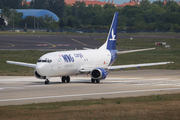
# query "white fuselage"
(71, 62)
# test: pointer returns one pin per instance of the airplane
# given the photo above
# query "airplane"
(96, 62)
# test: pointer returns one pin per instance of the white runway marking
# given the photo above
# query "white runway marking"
(21, 87)
(88, 94)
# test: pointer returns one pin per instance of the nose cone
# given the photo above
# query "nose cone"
(40, 69)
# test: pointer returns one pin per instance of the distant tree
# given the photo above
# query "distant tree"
(40, 4)
(159, 2)
(17, 18)
(172, 17)
(145, 4)
(176, 27)
(151, 26)
(1, 4)
(111, 6)
(69, 23)
(6, 12)
(140, 25)
(2, 23)
(169, 3)
(61, 24)
(14, 4)
(173, 7)
(57, 7)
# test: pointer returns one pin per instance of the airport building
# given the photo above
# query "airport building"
(36, 13)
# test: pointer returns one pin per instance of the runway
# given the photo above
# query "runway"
(26, 90)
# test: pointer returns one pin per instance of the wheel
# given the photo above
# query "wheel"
(92, 80)
(63, 79)
(97, 81)
(46, 82)
(68, 79)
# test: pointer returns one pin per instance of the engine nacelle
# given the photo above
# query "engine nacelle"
(99, 73)
(36, 74)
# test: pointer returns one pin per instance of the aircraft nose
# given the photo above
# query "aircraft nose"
(40, 69)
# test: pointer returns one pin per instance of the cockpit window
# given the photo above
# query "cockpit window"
(49, 61)
(44, 60)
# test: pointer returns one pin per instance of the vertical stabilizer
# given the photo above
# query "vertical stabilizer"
(110, 43)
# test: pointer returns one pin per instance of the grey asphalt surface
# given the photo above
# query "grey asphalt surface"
(47, 42)
(17, 90)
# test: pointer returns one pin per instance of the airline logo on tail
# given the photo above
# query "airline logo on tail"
(113, 36)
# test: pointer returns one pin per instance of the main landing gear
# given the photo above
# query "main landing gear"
(65, 79)
(94, 80)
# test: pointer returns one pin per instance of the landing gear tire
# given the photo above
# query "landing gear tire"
(65, 79)
(92, 80)
(68, 79)
(46, 82)
(97, 81)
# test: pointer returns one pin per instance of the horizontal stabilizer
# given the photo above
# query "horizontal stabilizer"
(22, 64)
(87, 48)
(130, 51)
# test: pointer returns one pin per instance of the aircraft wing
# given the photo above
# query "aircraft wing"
(22, 64)
(130, 51)
(85, 70)
(136, 65)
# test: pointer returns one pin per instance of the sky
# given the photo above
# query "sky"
(121, 1)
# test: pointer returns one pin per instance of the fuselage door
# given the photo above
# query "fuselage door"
(59, 63)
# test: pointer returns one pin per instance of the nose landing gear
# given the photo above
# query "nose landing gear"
(46, 82)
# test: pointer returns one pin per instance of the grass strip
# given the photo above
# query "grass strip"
(154, 107)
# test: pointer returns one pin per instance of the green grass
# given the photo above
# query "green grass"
(154, 107)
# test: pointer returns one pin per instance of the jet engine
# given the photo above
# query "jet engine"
(99, 73)
(36, 74)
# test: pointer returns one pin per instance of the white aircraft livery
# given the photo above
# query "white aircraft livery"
(96, 62)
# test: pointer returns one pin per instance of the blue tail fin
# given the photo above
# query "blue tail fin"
(111, 39)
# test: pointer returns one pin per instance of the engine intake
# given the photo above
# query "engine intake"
(38, 76)
(99, 73)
